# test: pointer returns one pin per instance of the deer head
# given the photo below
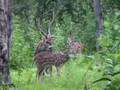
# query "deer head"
(74, 46)
(46, 43)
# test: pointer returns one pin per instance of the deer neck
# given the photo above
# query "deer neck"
(70, 53)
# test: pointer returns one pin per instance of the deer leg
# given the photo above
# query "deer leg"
(40, 71)
(47, 70)
(41, 74)
(58, 70)
(50, 70)
(37, 74)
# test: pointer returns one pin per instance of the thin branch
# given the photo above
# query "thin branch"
(51, 23)
(39, 26)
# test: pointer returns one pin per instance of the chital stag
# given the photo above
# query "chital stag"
(48, 59)
(45, 45)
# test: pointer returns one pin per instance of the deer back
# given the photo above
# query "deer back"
(51, 58)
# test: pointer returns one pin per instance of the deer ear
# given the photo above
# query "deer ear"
(43, 39)
(69, 40)
(52, 36)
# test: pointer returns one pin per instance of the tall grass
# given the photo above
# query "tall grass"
(75, 75)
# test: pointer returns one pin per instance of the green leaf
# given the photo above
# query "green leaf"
(101, 79)
(116, 73)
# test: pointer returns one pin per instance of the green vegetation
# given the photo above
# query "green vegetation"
(77, 74)
(90, 70)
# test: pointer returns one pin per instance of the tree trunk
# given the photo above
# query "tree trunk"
(5, 36)
(99, 20)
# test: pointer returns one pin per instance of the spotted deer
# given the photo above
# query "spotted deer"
(74, 45)
(45, 45)
(48, 59)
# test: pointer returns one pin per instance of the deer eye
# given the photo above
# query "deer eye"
(48, 42)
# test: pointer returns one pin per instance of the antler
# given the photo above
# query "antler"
(50, 23)
(39, 26)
